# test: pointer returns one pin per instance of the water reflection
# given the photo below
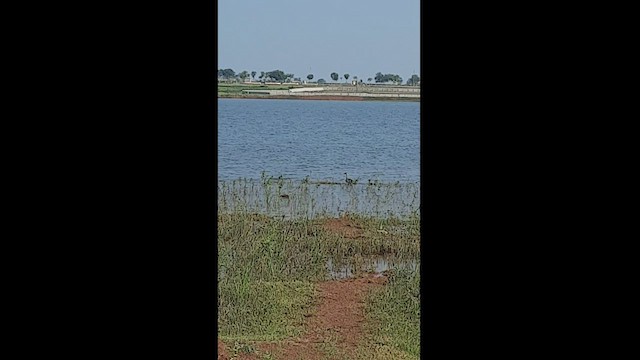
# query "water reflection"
(377, 265)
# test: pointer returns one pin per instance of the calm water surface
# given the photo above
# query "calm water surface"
(320, 139)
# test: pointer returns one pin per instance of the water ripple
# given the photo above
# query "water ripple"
(320, 139)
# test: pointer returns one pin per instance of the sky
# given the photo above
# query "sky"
(358, 37)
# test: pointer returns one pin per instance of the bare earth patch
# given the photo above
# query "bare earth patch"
(222, 351)
(344, 226)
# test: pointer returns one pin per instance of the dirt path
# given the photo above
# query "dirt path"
(223, 354)
(333, 331)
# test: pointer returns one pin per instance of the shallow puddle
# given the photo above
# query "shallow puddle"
(376, 265)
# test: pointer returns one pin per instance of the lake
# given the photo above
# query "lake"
(369, 140)
(287, 158)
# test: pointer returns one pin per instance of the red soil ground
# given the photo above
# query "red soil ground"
(338, 319)
(344, 226)
(222, 351)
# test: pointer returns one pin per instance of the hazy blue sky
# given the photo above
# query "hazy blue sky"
(358, 37)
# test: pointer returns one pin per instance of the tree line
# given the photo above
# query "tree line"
(281, 76)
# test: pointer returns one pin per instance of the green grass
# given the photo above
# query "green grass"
(236, 89)
(380, 236)
(265, 311)
(393, 314)
(268, 267)
(254, 247)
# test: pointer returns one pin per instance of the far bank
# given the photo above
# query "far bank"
(319, 97)
(315, 92)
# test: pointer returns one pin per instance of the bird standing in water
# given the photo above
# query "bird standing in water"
(347, 180)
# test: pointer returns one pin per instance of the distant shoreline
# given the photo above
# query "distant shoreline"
(321, 97)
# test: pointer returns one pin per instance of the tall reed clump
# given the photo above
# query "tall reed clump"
(277, 196)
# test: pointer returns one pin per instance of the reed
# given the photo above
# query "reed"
(277, 196)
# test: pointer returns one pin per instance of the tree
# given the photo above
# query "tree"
(277, 75)
(369, 79)
(289, 77)
(414, 80)
(261, 75)
(334, 76)
(346, 76)
(226, 73)
(380, 78)
(253, 75)
(243, 75)
(310, 77)
(321, 81)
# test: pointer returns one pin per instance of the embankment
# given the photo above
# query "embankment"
(320, 97)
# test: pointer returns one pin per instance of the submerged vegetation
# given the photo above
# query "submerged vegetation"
(273, 251)
(277, 196)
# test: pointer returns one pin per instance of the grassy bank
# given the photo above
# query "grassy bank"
(394, 317)
(262, 310)
(236, 89)
(317, 97)
(269, 268)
